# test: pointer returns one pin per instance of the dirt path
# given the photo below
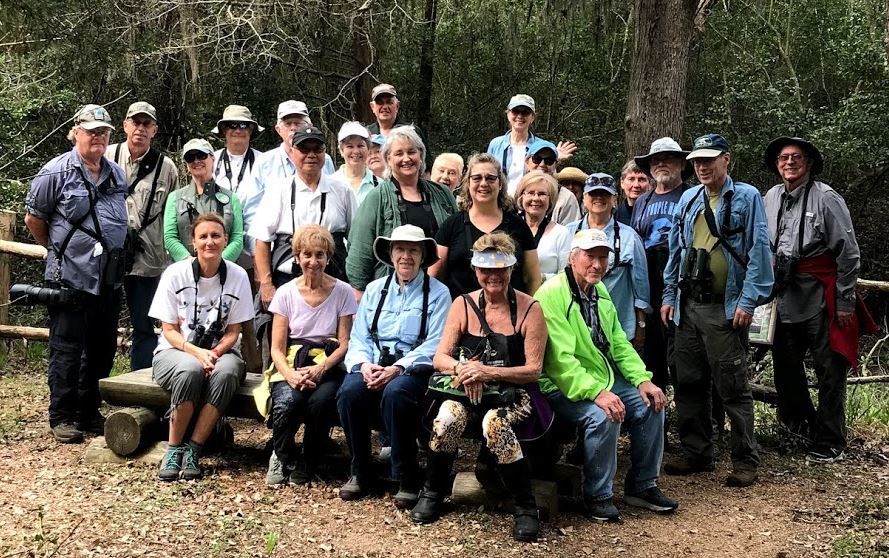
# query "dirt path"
(49, 498)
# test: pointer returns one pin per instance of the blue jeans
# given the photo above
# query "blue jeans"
(140, 293)
(600, 441)
(398, 405)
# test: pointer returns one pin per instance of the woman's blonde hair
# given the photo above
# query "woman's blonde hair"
(497, 241)
(464, 201)
(312, 236)
(533, 177)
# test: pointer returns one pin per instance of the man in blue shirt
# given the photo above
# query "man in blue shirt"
(719, 271)
(394, 337)
(76, 207)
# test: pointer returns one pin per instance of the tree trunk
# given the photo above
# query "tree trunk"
(427, 57)
(363, 52)
(659, 73)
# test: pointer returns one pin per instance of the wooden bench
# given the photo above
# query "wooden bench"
(128, 429)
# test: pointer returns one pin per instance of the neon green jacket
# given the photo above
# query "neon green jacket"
(572, 362)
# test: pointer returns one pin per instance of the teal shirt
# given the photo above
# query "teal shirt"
(177, 222)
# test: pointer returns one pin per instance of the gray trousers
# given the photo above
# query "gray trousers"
(182, 375)
(706, 341)
(826, 427)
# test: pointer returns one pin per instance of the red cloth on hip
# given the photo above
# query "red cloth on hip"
(843, 340)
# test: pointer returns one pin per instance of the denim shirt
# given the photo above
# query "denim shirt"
(499, 147)
(399, 323)
(627, 283)
(60, 196)
(744, 289)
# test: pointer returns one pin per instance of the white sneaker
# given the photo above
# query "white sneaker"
(386, 453)
(276, 475)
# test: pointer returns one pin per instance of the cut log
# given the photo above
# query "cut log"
(468, 492)
(22, 249)
(129, 429)
(766, 394)
(138, 389)
(97, 452)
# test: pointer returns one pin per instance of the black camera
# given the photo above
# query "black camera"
(785, 270)
(31, 295)
(207, 334)
(387, 358)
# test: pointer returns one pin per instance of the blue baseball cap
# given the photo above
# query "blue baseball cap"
(377, 139)
(709, 145)
(599, 181)
(540, 145)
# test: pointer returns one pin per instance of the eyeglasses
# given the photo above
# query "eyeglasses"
(97, 132)
(237, 125)
(600, 181)
(193, 156)
(306, 149)
(489, 178)
(142, 122)
(795, 157)
(531, 194)
(549, 161)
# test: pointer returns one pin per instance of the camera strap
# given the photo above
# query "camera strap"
(424, 319)
(225, 160)
(710, 219)
(78, 225)
(616, 261)
(427, 206)
(785, 200)
(196, 273)
(293, 206)
(541, 228)
(147, 218)
(590, 316)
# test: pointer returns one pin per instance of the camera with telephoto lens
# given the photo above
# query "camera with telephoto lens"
(696, 279)
(207, 334)
(387, 358)
(31, 295)
(785, 270)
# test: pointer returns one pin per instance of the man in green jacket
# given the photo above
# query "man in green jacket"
(595, 380)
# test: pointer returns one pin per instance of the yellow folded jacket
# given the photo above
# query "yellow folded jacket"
(262, 394)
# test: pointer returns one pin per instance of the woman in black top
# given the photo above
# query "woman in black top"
(485, 207)
(485, 382)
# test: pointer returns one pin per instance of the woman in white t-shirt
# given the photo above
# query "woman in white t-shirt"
(536, 195)
(201, 303)
(311, 324)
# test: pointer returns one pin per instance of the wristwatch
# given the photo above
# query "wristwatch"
(640, 324)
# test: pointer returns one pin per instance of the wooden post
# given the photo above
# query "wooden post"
(7, 229)
(127, 430)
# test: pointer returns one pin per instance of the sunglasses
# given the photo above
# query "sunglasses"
(522, 111)
(237, 125)
(795, 157)
(600, 181)
(489, 178)
(537, 159)
(98, 132)
(193, 156)
(306, 149)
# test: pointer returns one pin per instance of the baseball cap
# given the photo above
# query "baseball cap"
(595, 182)
(141, 107)
(352, 129)
(540, 145)
(92, 117)
(291, 107)
(382, 89)
(378, 140)
(306, 134)
(521, 100)
(709, 145)
(197, 144)
(587, 239)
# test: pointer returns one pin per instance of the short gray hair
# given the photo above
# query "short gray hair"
(408, 134)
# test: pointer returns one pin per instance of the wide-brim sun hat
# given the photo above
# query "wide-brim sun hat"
(776, 145)
(665, 145)
(236, 113)
(406, 233)
(573, 174)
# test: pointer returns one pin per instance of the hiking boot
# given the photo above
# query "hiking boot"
(95, 425)
(603, 510)
(652, 499)
(191, 470)
(825, 455)
(277, 473)
(407, 496)
(67, 433)
(353, 489)
(301, 474)
(386, 454)
(428, 508)
(741, 477)
(525, 523)
(685, 466)
(171, 464)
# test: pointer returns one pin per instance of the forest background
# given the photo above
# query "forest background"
(610, 75)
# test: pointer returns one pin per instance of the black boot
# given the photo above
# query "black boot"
(438, 475)
(526, 517)
(487, 473)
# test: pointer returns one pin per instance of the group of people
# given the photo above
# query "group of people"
(492, 301)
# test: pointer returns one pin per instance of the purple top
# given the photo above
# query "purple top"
(318, 323)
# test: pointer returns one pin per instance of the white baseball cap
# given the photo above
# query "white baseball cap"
(352, 129)
(588, 239)
(291, 107)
